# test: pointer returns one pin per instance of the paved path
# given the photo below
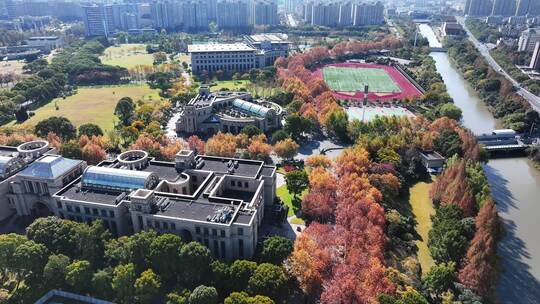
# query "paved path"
(533, 100)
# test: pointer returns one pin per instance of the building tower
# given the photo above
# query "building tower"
(535, 60)
(523, 7)
(504, 8)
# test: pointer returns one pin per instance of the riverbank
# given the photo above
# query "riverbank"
(515, 186)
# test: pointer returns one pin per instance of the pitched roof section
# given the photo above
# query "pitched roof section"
(50, 166)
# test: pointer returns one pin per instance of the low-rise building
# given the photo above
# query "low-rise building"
(219, 202)
(450, 28)
(432, 160)
(46, 43)
(257, 51)
(208, 113)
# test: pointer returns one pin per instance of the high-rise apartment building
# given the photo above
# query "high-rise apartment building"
(478, 8)
(346, 14)
(523, 7)
(504, 8)
(98, 20)
(528, 39)
(232, 14)
(368, 14)
(535, 60)
(325, 14)
(263, 12)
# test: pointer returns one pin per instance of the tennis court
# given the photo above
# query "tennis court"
(369, 113)
(353, 79)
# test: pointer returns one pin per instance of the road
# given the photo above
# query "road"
(533, 100)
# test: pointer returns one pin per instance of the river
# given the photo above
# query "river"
(515, 185)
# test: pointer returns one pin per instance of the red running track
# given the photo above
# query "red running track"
(408, 90)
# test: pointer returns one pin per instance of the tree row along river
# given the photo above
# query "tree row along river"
(515, 185)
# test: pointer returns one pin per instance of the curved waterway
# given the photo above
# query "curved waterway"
(515, 185)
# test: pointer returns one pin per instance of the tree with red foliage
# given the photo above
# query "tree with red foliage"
(320, 202)
(452, 188)
(196, 144)
(479, 273)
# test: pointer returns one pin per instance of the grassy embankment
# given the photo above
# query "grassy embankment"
(423, 209)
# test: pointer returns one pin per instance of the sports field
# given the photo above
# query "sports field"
(350, 79)
(368, 113)
(347, 81)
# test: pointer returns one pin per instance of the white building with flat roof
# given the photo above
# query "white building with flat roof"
(528, 39)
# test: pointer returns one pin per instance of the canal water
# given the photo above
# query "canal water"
(515, 185)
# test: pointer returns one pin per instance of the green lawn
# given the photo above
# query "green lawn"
(127, 55)
(232, 85)
(92, 105)
(423, 209)
(344, 79)
(287, 198)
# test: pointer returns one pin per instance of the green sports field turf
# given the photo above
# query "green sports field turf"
(344, 79)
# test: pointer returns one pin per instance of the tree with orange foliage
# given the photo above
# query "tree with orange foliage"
(318, 161)
(258, 149)
(452, 188)
(286, 148)
(54, 141)
(312, 259)
(93, 154)
(320, 202)
(196, 144)
(169, 149)
(479, 273)
(221, 144)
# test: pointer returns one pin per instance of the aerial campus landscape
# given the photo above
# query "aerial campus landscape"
(263, 151)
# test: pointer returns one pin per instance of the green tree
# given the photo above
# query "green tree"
(251, 130)
(71, 149)
(90, 129)
(221, 277)
(440, 278)
(147, 287)
(269, 280)
(297, 181)
(296, 126)
(174, 298)
(196, 259)
(8, 245)
(448, 143)
(164, 256)
(131, 249)
(102, 284)
(78, 274)
(123, 281)
(388, 155)
(336, 124)
(279, 135)
(203, 295)
(447, 239)
(125, 109)
(240, 272)
(54, 272)
(30, 259)
(58, 235)
(276, 249)
(451, 111)
(60, 126)
(244, 298)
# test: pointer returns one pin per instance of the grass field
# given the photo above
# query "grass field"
(127, 55)
(350, 79)
(95, 105)
(287, 198)
(423, 209)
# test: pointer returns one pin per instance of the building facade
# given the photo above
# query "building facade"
(505, 8)
(528, 39)
(219, 202)
(343, 13)
(209, 113)
(535, 60)
(478, 8)
(98, 20)
(257, 51)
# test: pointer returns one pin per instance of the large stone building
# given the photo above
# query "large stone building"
(219, 202)
(208, 113)
(257, 51)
